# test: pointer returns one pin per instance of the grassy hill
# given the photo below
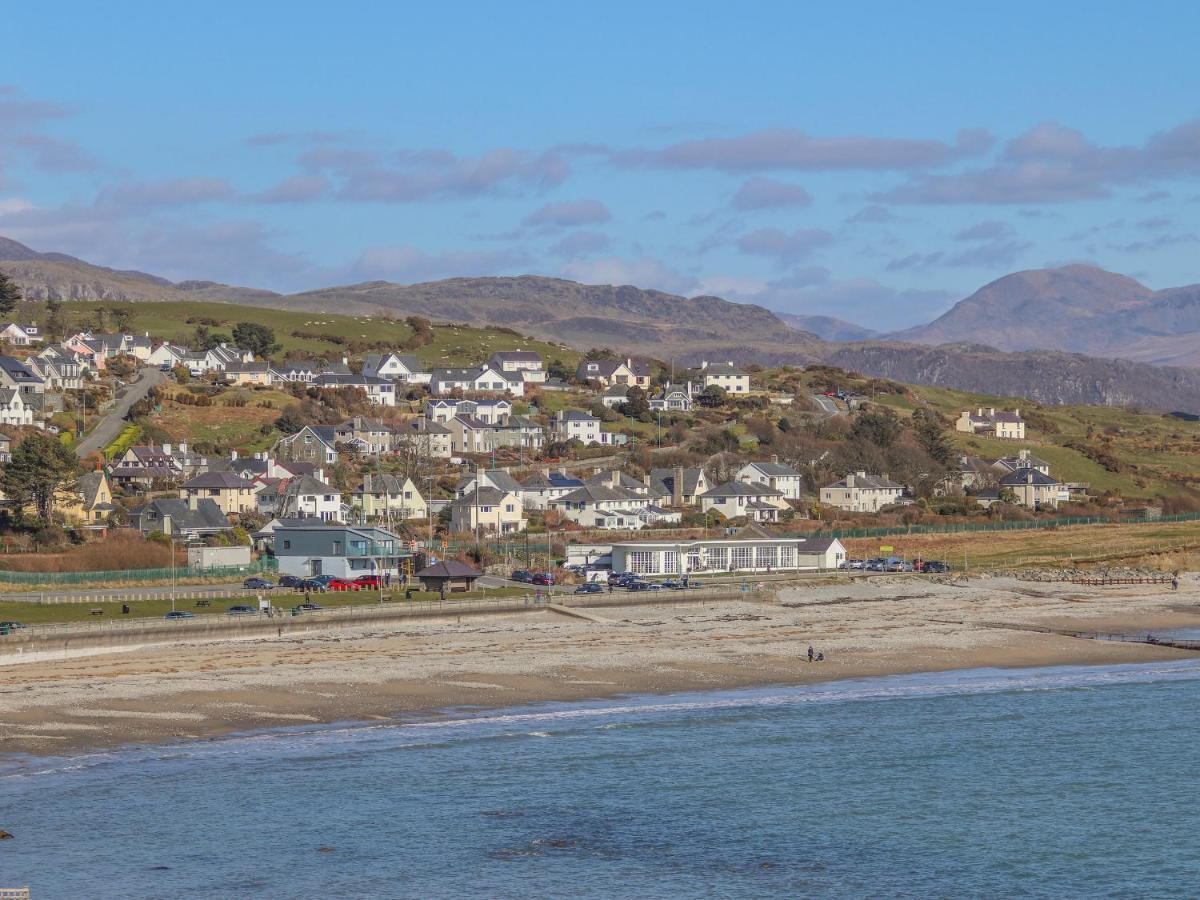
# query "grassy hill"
(453, 345)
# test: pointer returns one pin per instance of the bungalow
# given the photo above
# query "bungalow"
(657, 515)
(233, 495)
(673, 398)
(751, 549)
(181, 519)
(298, 371)
(401, 367)
(379, 391)
(860, 492)
(726, 376)
(775, 474)
(168, 354)
(734, 499)
(388, 497)
(609, 372)
(312, 443)
(615, 396)
(249, 374)
(482, 379)
(575, 425)
(1002, 424)
(344, 551)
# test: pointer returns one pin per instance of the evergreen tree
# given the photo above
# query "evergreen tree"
(10, 294)
(255, 337)
(41, 467)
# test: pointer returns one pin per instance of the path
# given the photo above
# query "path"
(110, 426)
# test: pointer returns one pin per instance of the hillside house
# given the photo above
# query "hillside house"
(575, 425)
(424, 438)
(727, 376)
(402, 367)
(490, 510)
(1023, 460)
(482, 379)
(181, 519)
(1001, 424)
(1033, 488)
(735, 499)
(603, 506)
(860, 492)
(368, 436)
(539, 490)
(673, 398)
(314, 444)
(678, 486)
(251, 374)
(233, 495)
(19, 335)
(774, 474)
(385, 497)
(524, 364)
(309, 498)
(379, 391)
(612, 372)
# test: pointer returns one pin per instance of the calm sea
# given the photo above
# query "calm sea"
(1046, 783)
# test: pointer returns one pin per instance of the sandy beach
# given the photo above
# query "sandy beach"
(419, 668)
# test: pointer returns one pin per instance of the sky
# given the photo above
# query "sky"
(875, 162)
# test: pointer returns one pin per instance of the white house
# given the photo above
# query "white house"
(401, 367)
(168, 354)
(575, 425)
(19, 335)
(379, 391)
(307, 498)
(538, 491)
(479, 380)
(13, 410)
(726, 376)
(860, 492)
(673, 398)
(774, 474)
(525, 364)
(601, 506)
(757, 502)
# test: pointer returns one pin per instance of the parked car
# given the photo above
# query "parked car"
(173, 614)
(340, 584)
(323, 579)
(635, 586)
(934, 566)
(312, 584)
(291, 581)
(592, 587)
(258, 584)
(522, 575)
(242, 611)
(310, 607)
(854, 564)
(543, 578)
(673, 583)
(369, 581)
(11, 625)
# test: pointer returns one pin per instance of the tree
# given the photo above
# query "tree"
(292, 420)
(122, 319)
(206, 339)
(930, 432)
(41, 467)
(636, 405)
(10, 294)
(878, 427)
(712, 397)
(257, 338)
(56, 324)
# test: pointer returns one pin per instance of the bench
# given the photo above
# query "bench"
(202, 603)
(98, 611)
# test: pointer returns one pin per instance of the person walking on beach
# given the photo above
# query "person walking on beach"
(1175, 582)
(810, 653)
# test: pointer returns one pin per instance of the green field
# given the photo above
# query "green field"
(55, 613)
(453, 345)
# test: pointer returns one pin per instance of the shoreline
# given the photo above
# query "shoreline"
(428, 670)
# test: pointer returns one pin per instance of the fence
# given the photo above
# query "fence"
(179, 573)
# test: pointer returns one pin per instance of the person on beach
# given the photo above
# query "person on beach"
(810, 653)
(821, 656)
(1175, 582)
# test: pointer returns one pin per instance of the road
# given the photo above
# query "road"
(828, 405)
(110, 426)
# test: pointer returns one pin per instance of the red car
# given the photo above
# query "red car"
(368, 581)
(341, 584)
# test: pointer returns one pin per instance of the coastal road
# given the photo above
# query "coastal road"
(110, 426)
(828, 405)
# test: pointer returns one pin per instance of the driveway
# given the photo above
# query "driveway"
(827, 404)
(110, 426)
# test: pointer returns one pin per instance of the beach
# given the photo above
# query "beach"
(431, 667)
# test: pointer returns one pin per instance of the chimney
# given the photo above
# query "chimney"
(233, 456)
(979, 412)
(885, 476)
(677, 487)
(775, 458)
(167, 449)
(1023, 454)
(646, 479)
(849, 481)
(614, 478)
(192, 500)
(183, 448)
(1029, 478)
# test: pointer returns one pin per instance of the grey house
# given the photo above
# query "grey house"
(340, 550)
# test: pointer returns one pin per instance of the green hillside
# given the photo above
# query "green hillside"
(452, 345)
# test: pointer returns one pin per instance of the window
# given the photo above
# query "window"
(641, 562)
(337, 548)
(787, 557)
(287, 545)
(743, 558)
(508, 507)
(671, 562)
(767, 557)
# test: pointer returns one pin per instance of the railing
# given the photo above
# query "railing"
(179, 573)
(360, 550)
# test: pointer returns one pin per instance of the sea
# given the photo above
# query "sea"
(1049, 782)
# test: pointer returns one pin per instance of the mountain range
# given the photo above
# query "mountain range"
(1050, 335)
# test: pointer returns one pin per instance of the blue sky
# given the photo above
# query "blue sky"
(867, 161)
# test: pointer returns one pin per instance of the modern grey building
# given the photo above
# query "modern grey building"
(340, 550)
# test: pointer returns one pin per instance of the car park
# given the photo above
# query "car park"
(260, 584)
(591, 587)
(522, 575)
(369, 581)
(173, 614)
(854, 564)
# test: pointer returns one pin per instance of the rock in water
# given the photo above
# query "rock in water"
(6, 835)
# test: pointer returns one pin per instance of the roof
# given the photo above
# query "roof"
(363, 423)
(206, 515)
(1025, 476)
(449, 568)
(381, 483)
(551, 480)
(605, 367)
(89, 486)
(599, 493)
(663, 480)
(775, 469)
(306, 484)
(725, 368)
(517, 356)
(871, 482)
(485, 496)
(741, 489)
(495, 477)
(220, 480)
(575, 415)
(626, 481)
